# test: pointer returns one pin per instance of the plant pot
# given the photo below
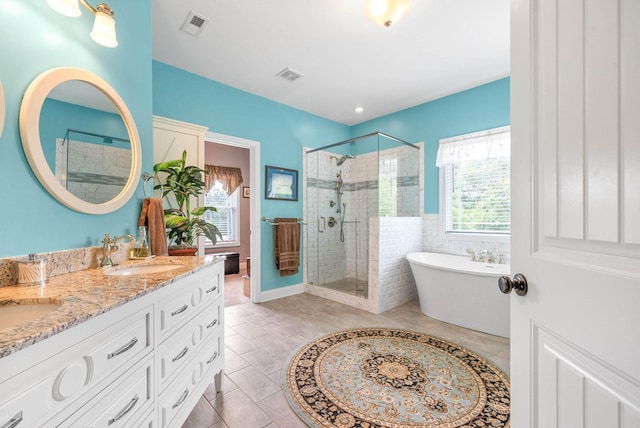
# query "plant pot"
(183, 251)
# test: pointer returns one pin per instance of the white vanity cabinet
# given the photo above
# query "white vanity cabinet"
(190, 337)
(73, 366)
(129, 367)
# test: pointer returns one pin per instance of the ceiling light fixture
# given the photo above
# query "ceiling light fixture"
(104, 26)
(358, 109)
(386, 12)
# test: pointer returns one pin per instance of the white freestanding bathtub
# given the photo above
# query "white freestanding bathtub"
(458, 291)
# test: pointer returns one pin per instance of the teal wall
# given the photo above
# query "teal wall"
(281, 130)
(479, 108)
(34, 38)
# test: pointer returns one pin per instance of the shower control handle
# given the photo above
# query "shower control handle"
(518, 284)
(324, 226)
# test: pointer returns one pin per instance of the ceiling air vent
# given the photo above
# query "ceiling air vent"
(289, 74)
(194, 24)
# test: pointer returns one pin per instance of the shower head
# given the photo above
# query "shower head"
(340, 160)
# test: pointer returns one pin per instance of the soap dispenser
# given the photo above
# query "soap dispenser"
(141, 247)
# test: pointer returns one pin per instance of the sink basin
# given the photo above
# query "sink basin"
(12, 315)
(141, 269)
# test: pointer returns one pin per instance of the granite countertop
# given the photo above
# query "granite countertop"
(85, 294)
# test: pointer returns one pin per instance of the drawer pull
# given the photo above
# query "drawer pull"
(213, 357)
(124, 411)
(179, 311)
(124, 349)
(14, 421)
(214, 322)
(181, 354)
(182, 398)
(212, 289)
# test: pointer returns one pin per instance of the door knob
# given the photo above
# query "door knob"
(517, 284)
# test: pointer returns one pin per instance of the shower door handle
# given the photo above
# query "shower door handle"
(324, 225)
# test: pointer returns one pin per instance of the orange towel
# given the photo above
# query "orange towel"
(152, 216)
(286, 245)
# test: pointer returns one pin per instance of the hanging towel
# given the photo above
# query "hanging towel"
(152, 216)
(286, 245)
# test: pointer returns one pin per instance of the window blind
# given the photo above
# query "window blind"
(226, 216)
(476, 185)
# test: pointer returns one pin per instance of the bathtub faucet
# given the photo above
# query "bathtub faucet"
(483, 255)
(472, 254)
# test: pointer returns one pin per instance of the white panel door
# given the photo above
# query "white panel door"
(575, 123)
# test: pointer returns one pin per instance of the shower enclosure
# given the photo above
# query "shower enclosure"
(347, 184)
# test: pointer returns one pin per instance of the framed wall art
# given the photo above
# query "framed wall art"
(281, 183)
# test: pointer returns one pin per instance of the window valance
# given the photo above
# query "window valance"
(230, 177)
(490, 144)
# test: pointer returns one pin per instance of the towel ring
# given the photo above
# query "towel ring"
(146, 177)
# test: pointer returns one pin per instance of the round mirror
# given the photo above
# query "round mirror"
(1, 109)
(80, 140)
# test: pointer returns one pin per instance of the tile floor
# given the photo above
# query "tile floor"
(260, 338)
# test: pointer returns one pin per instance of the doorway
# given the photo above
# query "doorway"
(244, 154)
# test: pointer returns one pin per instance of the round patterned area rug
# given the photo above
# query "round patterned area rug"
(379, 377)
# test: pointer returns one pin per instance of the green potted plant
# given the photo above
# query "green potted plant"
(183, 224)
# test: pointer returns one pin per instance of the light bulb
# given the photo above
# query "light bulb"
(104, 27)
(65, 7)
(386, 12)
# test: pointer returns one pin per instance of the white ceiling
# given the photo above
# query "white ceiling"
(438, 48)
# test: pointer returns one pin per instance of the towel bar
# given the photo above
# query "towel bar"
(272, 222)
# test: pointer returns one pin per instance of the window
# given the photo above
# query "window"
(475, 181)
(226, 219)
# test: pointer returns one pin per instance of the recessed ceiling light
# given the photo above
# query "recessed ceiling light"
(358, 109)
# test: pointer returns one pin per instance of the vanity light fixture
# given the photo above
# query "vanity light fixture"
(104, 26)
(386, 12)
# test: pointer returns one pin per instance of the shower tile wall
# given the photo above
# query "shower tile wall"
(361, 194)
(91, 181)
(331, 264)
(391, 282)
(403, 199)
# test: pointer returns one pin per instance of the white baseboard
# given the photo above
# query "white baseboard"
(279, 293)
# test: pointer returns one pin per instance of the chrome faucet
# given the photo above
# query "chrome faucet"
(109, 245)
(472, 254)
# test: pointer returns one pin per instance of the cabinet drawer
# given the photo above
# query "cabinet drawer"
(176, 398)
(198, 290)
(126, 345)
(177, 309)
(174, 353)
(212, 285)
(123, 404)
(77, 373)
(190, 383)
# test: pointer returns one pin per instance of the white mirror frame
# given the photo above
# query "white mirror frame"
(1, 109)
(32, 103)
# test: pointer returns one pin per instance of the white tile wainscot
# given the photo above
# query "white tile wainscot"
(391, 282)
